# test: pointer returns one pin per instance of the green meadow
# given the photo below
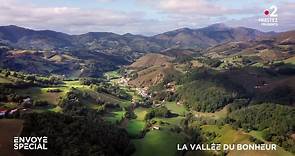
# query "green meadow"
(158, 143)
(38, 93)
(140, 113)
(227, 135)
(112, 75)
(135, 127)
(174, 108)
(114, 117)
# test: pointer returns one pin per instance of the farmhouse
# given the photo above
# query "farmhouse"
(155, 128)
(12, 111)
(2, 112)
(27, 102)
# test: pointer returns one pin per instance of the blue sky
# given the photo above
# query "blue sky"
(147, 17)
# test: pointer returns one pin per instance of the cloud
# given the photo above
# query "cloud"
(166, 15)
(196, 7)
(66, 19)
(76, 20)
(105, 1)
(199, 13)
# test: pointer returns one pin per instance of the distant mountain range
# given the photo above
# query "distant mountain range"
(123, 44)
(90, 54)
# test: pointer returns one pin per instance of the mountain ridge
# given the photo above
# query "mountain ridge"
(91, 54)
(110, 42)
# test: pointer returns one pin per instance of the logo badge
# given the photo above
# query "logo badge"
(270, 17)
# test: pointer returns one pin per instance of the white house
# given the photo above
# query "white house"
(156, 128)
(13, 111)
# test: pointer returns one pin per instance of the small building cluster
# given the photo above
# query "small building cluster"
(143, 92)
(124, 81)
(8, 112)
(171, 86)
(23, 106)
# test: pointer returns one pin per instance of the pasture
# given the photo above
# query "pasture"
(158, 143)
(175, 108)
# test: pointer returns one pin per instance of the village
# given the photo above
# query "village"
(143, 92)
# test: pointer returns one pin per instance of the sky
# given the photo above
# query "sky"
(145, 17)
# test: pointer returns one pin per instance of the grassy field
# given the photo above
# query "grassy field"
(115, 116)
(140, 113)
(227, 135)
(37, 93)
(5, 80)
(257, 134)
(290, 60)
(9, 105)
(94, 95)
(8, 129)
(174, 108)
(158, 143)
(216, 115)
(278, 152)
(172, 121)
(134, 127)
(56, 109)
(112, 75)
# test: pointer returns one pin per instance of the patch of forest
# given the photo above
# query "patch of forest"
(275, 121)
(83, 135)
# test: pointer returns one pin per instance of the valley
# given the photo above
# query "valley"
(233, 88)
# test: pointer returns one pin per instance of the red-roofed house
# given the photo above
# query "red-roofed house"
(2, 112)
